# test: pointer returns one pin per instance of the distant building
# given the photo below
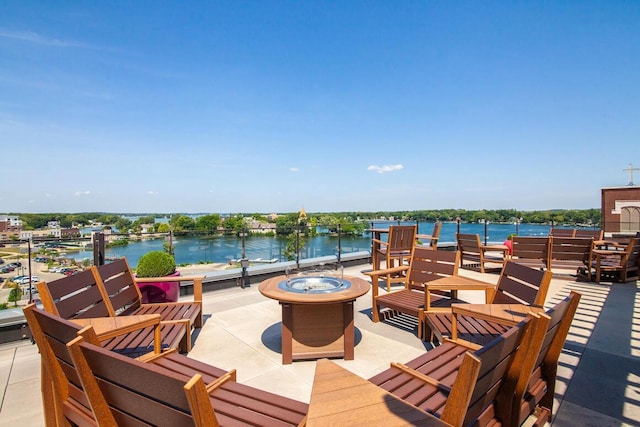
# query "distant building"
(620, 210)
(70, 232)
(147, 228)
(10, 222)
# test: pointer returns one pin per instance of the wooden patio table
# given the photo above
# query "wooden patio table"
(458, 283)
(341, 398)
(111, 327)
(316, 325)
(506, 314)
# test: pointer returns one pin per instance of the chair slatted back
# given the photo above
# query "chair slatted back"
(562, 232)
(126, 392)
(571, 248)
(469, 243)
(428, 264)
(435, 235)
(519, 284)
(560, 319)
(589, 234)
(502, 362)
(401, 239)
(75, 296)
(531, 248)
(60, 378)
(632, 254)
(120, 286)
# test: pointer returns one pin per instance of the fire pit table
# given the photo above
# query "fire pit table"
(317, 314)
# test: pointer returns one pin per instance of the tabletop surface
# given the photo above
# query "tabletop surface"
(341, 398)
(270, 289)
(510, 313)
(103, 325)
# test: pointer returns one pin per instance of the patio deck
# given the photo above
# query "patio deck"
(598, 377)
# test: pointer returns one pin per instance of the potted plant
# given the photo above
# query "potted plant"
(158, 264)
(509, 244)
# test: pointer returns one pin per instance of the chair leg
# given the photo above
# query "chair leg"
(375, 311)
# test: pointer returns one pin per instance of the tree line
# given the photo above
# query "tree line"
(347, 222)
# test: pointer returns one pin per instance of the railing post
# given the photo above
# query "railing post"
(30, 275)
(98, 249)
(244, 262)
(298, 245)
(485, 231)
(457, 230)
(339, 243)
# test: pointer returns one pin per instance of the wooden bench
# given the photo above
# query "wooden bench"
(569, 253)
(85, 295)
(63, 395)
(124, 391)
(577, 232)
(125, 298)
(464, 388)
(552, 252)
(533, 252)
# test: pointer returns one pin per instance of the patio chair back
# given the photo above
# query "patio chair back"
(64, 400)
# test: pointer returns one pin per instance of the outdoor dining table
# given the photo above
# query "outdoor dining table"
(342, 398)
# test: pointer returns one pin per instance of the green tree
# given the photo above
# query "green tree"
(233, 224)
(182, 223)
(15, 294)
(208, 223)
(164, 227)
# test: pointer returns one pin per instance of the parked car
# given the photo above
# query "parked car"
(25, 280)
(7, 269)
(15, 264)
(41, 259)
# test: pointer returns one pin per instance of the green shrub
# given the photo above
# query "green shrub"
(155, 264)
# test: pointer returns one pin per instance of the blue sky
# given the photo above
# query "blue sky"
(270, 106)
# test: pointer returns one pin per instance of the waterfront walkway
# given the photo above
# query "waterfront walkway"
(598, 377)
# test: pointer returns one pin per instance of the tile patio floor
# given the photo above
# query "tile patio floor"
(598, 377)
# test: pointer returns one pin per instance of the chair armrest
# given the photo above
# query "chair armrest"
(393, 270)
(381, 242)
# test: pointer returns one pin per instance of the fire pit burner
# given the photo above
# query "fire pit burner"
(314, 285)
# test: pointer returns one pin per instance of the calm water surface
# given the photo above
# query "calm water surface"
(192, 250)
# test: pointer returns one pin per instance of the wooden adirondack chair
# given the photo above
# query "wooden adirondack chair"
(616, 265)
(518, 284)
(398, 247)
(425, 266)
(124, 391)
(464, 388)
(472, 250)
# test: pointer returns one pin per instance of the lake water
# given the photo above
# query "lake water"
(222, 249)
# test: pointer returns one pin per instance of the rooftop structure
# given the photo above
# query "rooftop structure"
(597, 376)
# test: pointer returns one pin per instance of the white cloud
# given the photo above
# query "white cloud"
(152, 193)
(386, 168)
(294, 170)
(82, 193)
(31, 37)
